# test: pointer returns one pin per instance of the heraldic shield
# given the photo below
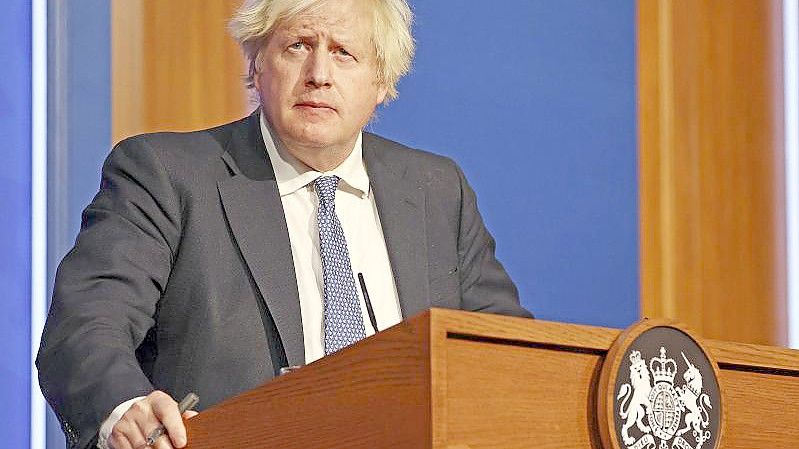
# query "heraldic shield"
(659, 390)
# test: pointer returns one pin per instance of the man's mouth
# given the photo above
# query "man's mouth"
(314, 105)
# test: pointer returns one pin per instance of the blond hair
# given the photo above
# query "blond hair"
(393, 43)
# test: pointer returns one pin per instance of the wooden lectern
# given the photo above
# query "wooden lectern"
(458, 380)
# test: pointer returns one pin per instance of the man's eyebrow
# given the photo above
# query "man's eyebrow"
(339, 41)
(344, 41)
(348, 40)
(298, 32)
(294, 30)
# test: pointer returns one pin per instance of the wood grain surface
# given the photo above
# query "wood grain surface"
(759, 383)
(373, 394)
(759, 410)
(711, 167)
(174, 67)
(505, 397)
(460, 380)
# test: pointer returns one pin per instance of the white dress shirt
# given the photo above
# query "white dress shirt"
(357, 212)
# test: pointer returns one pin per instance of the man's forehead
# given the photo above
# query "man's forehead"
(307, 23)
(340, 27)
(333, 14)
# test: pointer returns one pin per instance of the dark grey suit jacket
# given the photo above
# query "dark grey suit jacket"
(182, 278)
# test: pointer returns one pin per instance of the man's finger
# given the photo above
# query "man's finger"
(166, 410)
(162, 442)
(119, 442)
(118, 438)
(147, 428)
(142, 416)
(189, 414)
(134, 435)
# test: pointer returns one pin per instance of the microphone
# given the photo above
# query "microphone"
(369, 308)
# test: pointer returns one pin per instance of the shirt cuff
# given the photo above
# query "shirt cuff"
(112, 420)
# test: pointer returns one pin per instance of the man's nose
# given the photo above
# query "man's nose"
(318, 69)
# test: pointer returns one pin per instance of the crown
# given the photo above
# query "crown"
(663, 369)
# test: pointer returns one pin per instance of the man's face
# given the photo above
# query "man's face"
(318, 79)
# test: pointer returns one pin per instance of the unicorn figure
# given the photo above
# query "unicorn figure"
(696, 403)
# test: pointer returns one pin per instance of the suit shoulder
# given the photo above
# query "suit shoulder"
(395, 151)
(183, 148)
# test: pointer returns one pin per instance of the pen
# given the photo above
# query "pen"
(368, 302)
(187, 403)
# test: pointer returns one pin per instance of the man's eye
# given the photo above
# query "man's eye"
(343, 52)
(297, 46)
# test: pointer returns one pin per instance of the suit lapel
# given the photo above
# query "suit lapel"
(255, 215)
(401, 205)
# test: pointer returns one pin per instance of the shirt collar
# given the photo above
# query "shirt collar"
(292, 174)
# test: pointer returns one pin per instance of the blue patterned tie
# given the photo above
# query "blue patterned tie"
(343, 318)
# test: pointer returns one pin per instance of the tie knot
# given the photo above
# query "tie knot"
(326, 189)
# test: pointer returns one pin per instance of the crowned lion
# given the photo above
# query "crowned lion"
(635, 396)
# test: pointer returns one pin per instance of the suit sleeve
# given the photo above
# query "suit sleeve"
(485, 286)
(106, 293)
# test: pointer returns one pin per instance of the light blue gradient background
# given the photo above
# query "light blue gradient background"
(15, 222)
(536, 101)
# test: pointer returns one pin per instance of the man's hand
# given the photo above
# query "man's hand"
(146, 415)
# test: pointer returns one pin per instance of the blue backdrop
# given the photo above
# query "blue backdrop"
(536, 100)
(15, 224)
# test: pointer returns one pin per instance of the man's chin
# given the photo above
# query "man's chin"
(318, 140)
(314, 133)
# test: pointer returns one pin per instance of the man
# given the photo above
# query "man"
(209, 260)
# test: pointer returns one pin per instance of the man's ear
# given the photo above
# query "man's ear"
(382, 91)
(256, 81)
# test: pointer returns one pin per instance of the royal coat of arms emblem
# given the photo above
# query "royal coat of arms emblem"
(657, 414)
